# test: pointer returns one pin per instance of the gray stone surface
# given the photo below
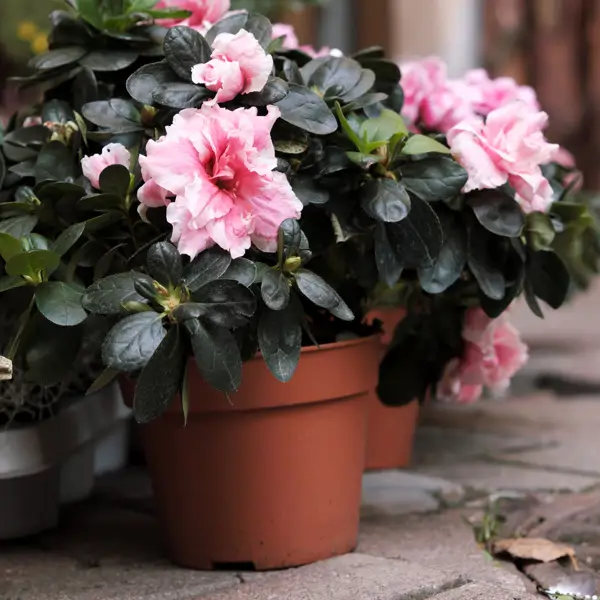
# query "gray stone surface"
(485, 476)
(350, 577)
(100, 554)
(393, 493)
(443, 542)
(477, 591)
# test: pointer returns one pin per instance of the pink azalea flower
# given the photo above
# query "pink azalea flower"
(493, 354)
(238, 65)
(489, 94)
(112, 154)
(508, 147)
(288, 33)
(204, 12)
(430, 98)
(32, 121)
(218, 164)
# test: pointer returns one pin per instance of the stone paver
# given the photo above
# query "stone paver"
(350, 577)
(443, 541)
(477, 591)
(393, 493)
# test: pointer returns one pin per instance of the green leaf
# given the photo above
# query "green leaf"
(103, 380)
(115, 179)
(181, 95)
(364, 161)
(60, 57)
(275, 289)
(365, 101)
(385, 200)
(431, 179)
(18, 227)
(35, 241)
(90, 11)
(336, 76)
(32, 263)
(275, 89)
(242, 270)
(161, 378)
(184, 48)
(57, 111)
(280, 341)
(418, 239)
(452, 259)
(11, 283)
(388, 266)
(208, 265)
(164, 264)
(319, 292)
(60, 303)
(67, 239)
(108, 61)
(350, 133)
(307, 110)
(9, 246)
(540, 231)
(115, 115)
(99, 202)
(142, 84)
(171, 12)
(484, 263)
(497, 212)
(362, 88)
(383, 128)
(217, 355)
(107, 296)
(131, 343)
(55, 162)
(421, 144)
(549, 278)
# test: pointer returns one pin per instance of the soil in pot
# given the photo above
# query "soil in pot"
(272, 477)
(391, 430)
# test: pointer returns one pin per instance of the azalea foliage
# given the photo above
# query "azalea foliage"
(200, 184)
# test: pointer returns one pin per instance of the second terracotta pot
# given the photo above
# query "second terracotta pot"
(271, 479)
(391, 430)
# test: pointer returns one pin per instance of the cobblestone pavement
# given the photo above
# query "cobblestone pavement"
(415, 543)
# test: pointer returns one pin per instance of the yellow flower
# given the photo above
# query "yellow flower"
(40, 43)
(27, 31)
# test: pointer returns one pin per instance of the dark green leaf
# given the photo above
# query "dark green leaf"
(389, 267)
(160, 379)
(540, 231)
(99, 202)
(60, 57)
(10, 283)
(57, 111)
(22, 169)
(280, 341)
(290, 239)
(242, 270)
(319, 292)
(115, 115)
(484, 264)
(107, 296)
(275, 289)
(35, 241)
(497, 212)
(184, 48)
(68, 238)
(181, 95)
(364, 86)
(306, 109)
(143, 83)
(131, 343)
(111, 60)
(339, 74)
(308, 192)
(418, 239)
(60, 303)
(276, 89)
(452, 258)
(232, 23)
(164, 264)
(432, 179)
(32, 263)
(260, 27)
(55, 162)
(208, 265)
(18, 226)
(549, 278)
(292, 72)
(365, 101)
(224, 302)
(531, 299)
(385, 200)
(217, 355)
(115, 179)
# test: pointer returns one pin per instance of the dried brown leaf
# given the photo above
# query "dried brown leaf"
(538, 549)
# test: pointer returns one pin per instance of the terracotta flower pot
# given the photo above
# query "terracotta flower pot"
(391, 430)
(271, 478)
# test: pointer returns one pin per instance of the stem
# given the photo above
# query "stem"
(23, 320)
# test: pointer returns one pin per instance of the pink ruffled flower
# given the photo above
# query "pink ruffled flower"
(489, 94)
(204, 12)
(508, 147)
(430, 98)
(493, 354)
(218, 164)
(238, 65)
(288, 33)
(32, 121)
(112, 154)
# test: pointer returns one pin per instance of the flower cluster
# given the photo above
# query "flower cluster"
(493, 353)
